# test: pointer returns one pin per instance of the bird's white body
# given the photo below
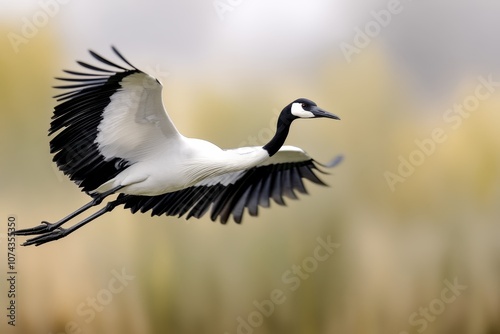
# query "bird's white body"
(182, 165)
(135, 127)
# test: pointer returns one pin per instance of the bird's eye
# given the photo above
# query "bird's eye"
(304, 105)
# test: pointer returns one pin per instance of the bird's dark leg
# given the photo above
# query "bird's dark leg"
(61, 232)
(47, 227)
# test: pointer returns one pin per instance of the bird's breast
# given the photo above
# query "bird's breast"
(185, 165)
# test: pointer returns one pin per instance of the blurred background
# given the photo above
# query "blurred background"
(416, 216)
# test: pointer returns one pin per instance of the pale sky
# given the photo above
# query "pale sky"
(437, 42)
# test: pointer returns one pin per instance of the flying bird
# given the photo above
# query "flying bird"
(112, 135)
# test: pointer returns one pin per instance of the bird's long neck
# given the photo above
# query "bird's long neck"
(279, 137)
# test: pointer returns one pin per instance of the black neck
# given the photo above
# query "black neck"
(278, 140)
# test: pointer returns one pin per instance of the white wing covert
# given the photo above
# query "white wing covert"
(107, 120)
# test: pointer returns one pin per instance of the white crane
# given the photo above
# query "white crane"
(115, 137)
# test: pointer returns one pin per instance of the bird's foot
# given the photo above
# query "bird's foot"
(47, 237)
(44, 227)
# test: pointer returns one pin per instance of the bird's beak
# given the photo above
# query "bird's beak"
(318, 112)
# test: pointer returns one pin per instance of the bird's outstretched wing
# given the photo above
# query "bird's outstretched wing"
(229, 194)
(106, 120)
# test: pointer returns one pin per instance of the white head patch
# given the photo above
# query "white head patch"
(298, 111)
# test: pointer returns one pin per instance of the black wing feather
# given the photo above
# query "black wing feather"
(254, 188)
(105, 61)
(76, 120)
(265, 195)
(287, 184)
(276, 188)
(104, 76)
(94, 68)
(253, 199)
(297, 181)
